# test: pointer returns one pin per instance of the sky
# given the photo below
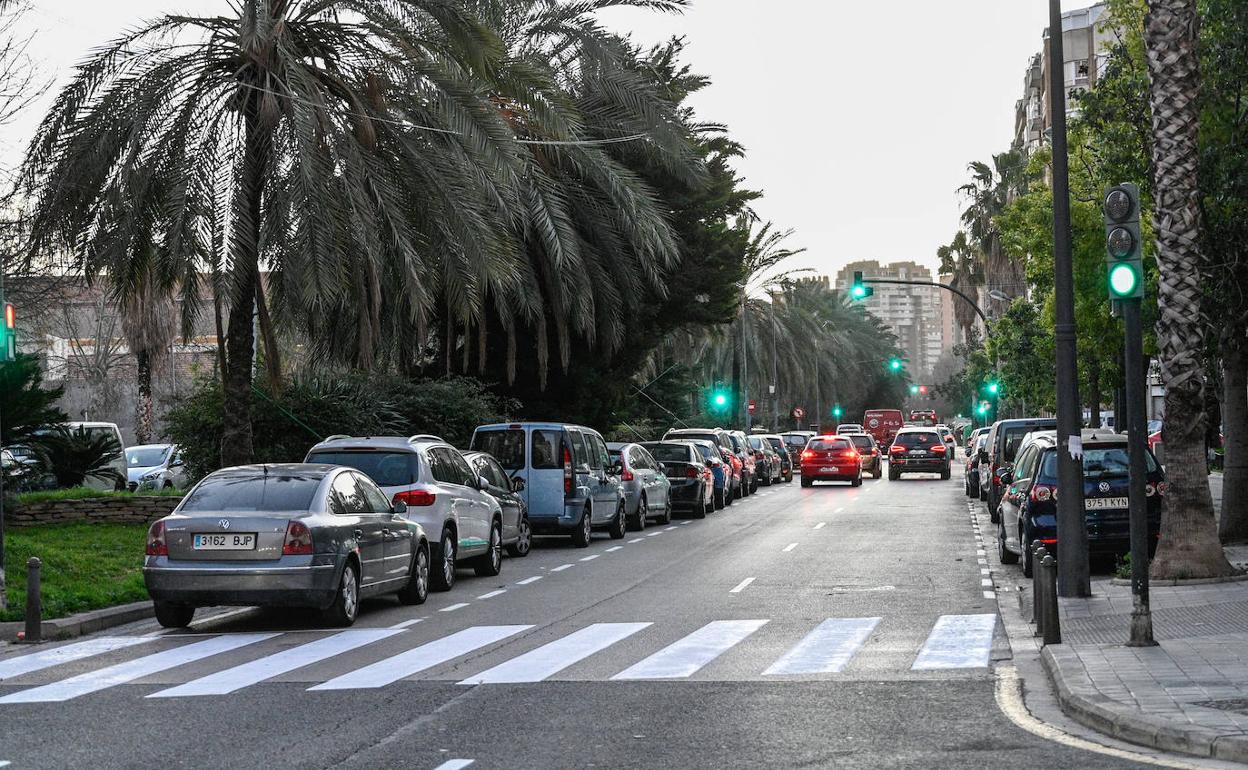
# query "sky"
(858, 118)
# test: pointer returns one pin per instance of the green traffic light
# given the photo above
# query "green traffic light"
(994, 388)
(837, 411)
(1123, 279)
(859, 291)
(721, 399)
(914, 390)
(895, 364)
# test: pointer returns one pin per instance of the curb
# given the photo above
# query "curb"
(1185, 581)
(1081, 701)
(84, 622)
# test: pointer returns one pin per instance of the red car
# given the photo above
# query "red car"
(831, 458)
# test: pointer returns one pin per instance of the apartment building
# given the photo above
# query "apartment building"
(912, 312)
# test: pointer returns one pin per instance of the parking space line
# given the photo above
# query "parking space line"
(407, 623)
(742, 585)
(562, 567)
(591, 557)
(655, 534)
(821, 525)
(614, 548)
(454, 607)
(492, 594)
(636, 540)
(789, 547)
(455, 764)
(528, 580)
(669, 529)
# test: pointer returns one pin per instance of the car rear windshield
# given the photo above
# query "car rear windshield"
(918, 439)
(252, 493)
(756, 442)
(776, 444)
(795, 441)
(547, 449)
(1014, 437)
(507, 446)
(1098, 463)
(387, 469)
(862, 442)
(667, 453)
(823, 444)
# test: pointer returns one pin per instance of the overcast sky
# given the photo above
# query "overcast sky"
(859, 118)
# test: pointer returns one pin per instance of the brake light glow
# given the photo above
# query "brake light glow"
(807, 454)
(567, 470)
(416, 498)
(1042, 493)
(852, 454)
(896, 450)
(1163, 487)
(939, 448)
(156, 543)
(298, 539)
(691, 472)
(626, 474)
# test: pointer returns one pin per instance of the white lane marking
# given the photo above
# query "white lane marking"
(789, 547)
(981, 552)
(985, 571)
(990, 595)
(256, 671)
(454, 607)
(838, 510)
(549, 659)
(821, 525)
(958, 641)
(418, 659)
(827, 649)
(5, 763)
(685, 657)
(591, 557)
(742, 585)
(983, 562)
(614, 548)
(122, 673)
(407, 623)
(455, 764)
(686, 522)
(70, 652)
(528, 580)
(562, 567)
(985, 582)
(492, 594)
(636, 540)
(669, 529)
(655, 534)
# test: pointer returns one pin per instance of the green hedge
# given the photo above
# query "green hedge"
(86, 493)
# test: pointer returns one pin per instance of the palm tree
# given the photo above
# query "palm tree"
(149, 324)
(959, 260)
(991, 188)
(1189, 546)
(329, 140)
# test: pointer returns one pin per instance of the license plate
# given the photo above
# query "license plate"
(827, 470)
(234, 541)
(1103, 503)
(918, 451)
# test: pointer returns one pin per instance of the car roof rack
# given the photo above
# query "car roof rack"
(424, 437)
(336, 437)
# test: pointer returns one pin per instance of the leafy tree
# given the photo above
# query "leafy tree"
(75, 455)
(28, 407)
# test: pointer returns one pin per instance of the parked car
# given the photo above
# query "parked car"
(969, 449)
(782, 452)
(796, 441)
(1028, 508)
(517, 532)
(872, 458)
(850, 427)
(155, 466)
(883, 425)
(831, 458)
(1000, 449)
(749, 470)
(570, 484)
(693, 484)
(918, 450)
(971, 481)
(766, 460)
(721, 469)
(647, 493)
(441, 492)
(730, 454)
(951, 443)
(294, 535)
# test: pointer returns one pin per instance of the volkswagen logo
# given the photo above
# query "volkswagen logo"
(1103, 486)
(224, 523)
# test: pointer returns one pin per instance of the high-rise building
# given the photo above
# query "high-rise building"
(949, 332)
(912, 312)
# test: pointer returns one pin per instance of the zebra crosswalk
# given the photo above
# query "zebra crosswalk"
(370, 658)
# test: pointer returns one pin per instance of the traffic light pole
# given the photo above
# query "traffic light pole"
(1137, 500)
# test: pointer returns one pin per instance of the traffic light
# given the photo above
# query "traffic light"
(859, 290)
(8, 334)
(1123, 243)
(895, 364)
(837, 411)
(720, 399)
(993, 388)
(982, 409)
(923, 390)
(914, 390)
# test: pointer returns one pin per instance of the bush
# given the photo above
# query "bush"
(87, 493)
(285, 426)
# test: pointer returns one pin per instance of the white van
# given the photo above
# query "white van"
(118, 461)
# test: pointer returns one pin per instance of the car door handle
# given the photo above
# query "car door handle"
(359, 534)
(385, 533)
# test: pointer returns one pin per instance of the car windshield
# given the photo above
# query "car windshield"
(668, 453)
(506, 446)
(708, 453)
(776, 444)
(252, 493)
(756, 442)
(797, 441)
(1014, 437)
(711, 437)
(822, 444)
(387, 469)
(1099, 463)
(917, 439)
(146, 457)
(862, 442)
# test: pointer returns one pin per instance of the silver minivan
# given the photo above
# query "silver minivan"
(569, 482)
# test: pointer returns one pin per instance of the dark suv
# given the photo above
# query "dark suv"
(1003, 444)
(1028, 509)
(918, 450)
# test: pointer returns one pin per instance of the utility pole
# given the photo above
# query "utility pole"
(1073, 577)
(745, 370)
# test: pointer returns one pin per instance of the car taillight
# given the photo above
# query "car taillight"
(156, 543)
(938, 448)
(1163, 487)
(298, 539)
(416, 498)
(1042, 493)
(626, 475)
(691, 472)
(896, 450)
(567, 471)
(852, 455)
(807, 454)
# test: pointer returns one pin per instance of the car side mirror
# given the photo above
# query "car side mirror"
(177, 463)
(482, 483)
(1007, 477)
(399, 508)
(615, 470)
(662, 469)
(517, 484)
(983, 454)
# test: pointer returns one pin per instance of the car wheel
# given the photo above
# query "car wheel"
(417, 588)
(619, 524)
(699, 509)
(584, 531)
(806, 481)
(442, 575)
(170, 615)
(346, 604)
(491, 563)
(1004, 554)
(524, 539)
(856, 482)
(878, 472)
(893, 475)
(946, 474)
(638, 522)
(994, 515)
(666, 518)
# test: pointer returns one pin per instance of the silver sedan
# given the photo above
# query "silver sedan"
(295, 535)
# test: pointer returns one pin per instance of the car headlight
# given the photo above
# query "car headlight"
(152, 475)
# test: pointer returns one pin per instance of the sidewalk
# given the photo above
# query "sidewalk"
(1189, 694)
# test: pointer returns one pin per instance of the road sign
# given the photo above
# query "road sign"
(752, 406)
(798, 413)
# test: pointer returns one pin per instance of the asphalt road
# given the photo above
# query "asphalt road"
(823, 627)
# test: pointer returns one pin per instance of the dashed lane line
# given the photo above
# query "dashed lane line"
(492, 594)
(821, 525)
(562, 567)
(528, 580)
(789, 547)
(636, 540)
(591, 557)
(455, 764)
(407, 623)
(614, 548)
(454, 607)
(742, 585)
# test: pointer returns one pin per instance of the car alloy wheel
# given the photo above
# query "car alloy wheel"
(491, 563)
(524, 539)
(422, 574)
(448, 560)
(350, 593)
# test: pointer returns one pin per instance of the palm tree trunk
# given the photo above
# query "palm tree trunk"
(1189, 546)
(1233, 526)
(236, 446)
(143, 417)
(220, 323)
(272, 356)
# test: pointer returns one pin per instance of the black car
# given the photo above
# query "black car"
(1028, 508)
(1003, 443)
(691, 479)
(918, 450)
(786, 459)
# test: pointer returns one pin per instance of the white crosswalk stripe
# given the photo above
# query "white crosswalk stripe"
(25, 664)
(958, 641)
(268, 667)
(687, 656)
(550, 659)
(827, 649)
(134, 669)
(426, 656)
